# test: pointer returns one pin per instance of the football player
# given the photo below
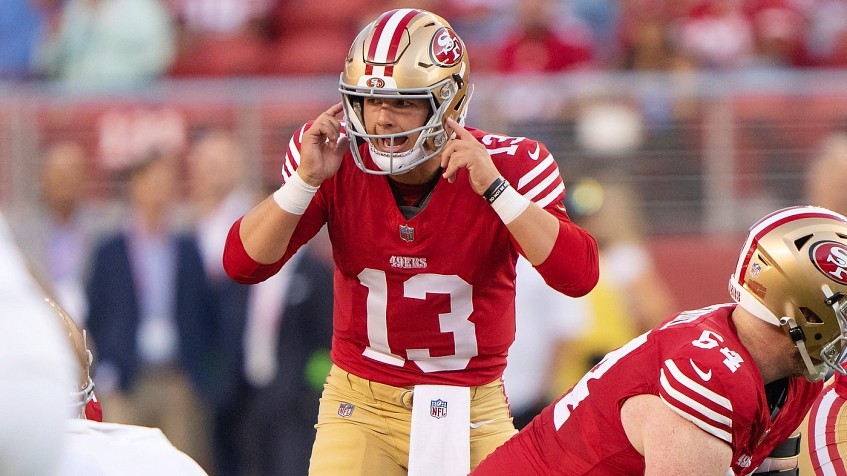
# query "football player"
(823, 452)
(94, 447)
(35, 369)
(715, 391)
(426, 217)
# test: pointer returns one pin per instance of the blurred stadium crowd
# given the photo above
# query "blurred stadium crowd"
(118, 41)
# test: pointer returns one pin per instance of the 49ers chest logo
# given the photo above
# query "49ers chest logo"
(446, 49)
(830, 258)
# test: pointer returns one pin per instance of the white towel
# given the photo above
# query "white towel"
(440, 434)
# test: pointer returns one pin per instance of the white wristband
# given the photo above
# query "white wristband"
(294, 195)
(510, 204)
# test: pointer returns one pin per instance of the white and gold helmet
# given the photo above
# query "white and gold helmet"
(83, 398)
(792, 273)
(416, 54)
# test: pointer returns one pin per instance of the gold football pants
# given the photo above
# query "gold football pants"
(363, 426)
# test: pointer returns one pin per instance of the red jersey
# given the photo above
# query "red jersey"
(697, 365)
(430, 300)
(825, 441)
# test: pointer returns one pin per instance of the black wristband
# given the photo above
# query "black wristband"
(494, 190)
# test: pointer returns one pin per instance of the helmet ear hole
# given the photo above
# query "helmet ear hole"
(810, 316)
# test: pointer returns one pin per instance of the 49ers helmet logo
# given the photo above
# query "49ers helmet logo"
(376, 83)
(830, 257)
(446, 48)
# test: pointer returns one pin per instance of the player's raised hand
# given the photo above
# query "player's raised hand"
(323, 147)
(465, 151)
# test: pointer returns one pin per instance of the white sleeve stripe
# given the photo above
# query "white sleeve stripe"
(287, 167)
(718, 418)
(716, 432)
(817, 440)
(552, 196)
(696, 387)
(536, 171)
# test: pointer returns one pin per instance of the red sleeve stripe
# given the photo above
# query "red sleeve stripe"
(722, 435)
(543, 188)
(553, 196)
(542, 166)
(684, 402)
(721, 416)
(823, 435)
(697, 389)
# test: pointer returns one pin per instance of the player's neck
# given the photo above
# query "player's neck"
(421, 174)
(772, 350)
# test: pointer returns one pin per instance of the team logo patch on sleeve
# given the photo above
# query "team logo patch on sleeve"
(438, 408)
(345, 410)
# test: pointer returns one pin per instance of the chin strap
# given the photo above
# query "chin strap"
(799, 338)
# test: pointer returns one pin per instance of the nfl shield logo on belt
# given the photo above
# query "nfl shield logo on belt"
(407, 233)
(345, 410)
(438, 408)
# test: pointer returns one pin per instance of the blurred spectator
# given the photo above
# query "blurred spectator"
(21, 29)
(602, 17)
(221, 37)
(544, 321)
(643, 34)
(778, 33)
(148, 316)
(826, 33)
(57, 237)
(218, 196)
(314, 37)
(110, 43)
(824, 187)
(538, 43)
(716, 34)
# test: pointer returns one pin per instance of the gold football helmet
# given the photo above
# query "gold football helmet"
(84, 394)
(416, 54)
(792, 273)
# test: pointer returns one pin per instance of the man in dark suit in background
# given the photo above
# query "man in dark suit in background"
(149, 316)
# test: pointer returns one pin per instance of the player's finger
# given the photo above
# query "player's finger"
(454, 163)
(449, 149)
(340, 146)
(460, 131)
(334, 110)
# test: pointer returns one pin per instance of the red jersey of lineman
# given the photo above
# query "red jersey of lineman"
(426, 300)
(826, 430)
(697, 365)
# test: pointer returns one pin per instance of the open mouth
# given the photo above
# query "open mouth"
(392, 145)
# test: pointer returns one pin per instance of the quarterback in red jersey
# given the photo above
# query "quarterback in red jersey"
(425, 244)
(716, 391)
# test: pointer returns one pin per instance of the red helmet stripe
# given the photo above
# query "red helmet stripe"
(386, 39)
(776, 219)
